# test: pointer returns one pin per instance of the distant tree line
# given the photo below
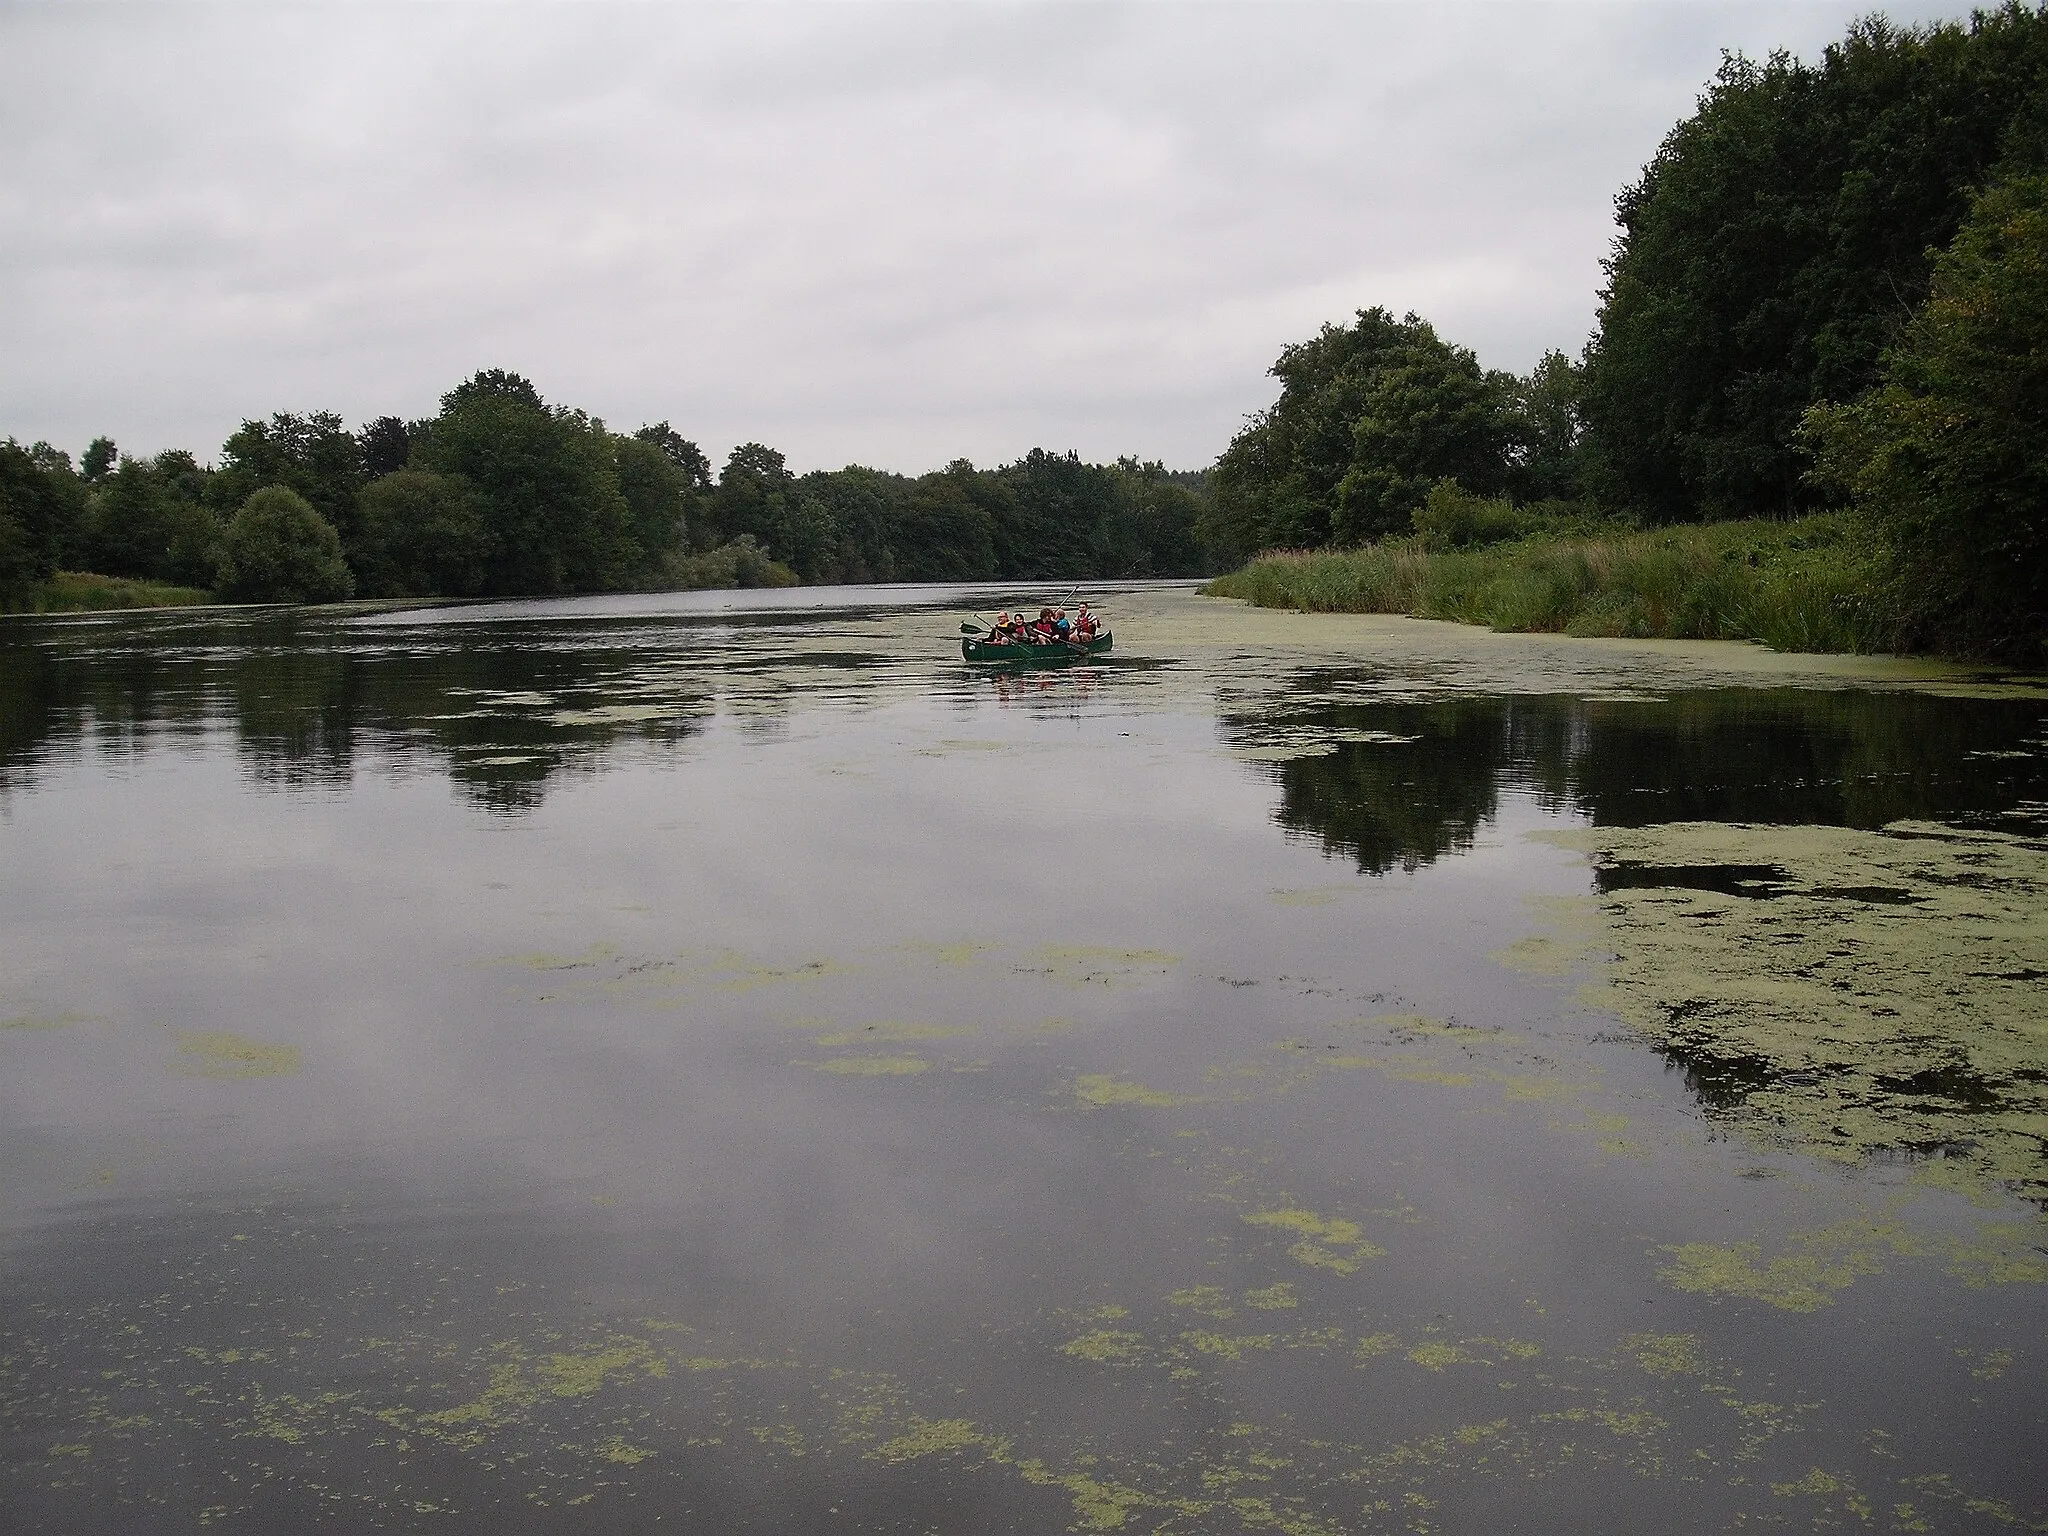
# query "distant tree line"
(1828, 288)
(502, 494)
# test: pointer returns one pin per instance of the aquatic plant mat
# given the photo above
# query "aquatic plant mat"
(721, 1064)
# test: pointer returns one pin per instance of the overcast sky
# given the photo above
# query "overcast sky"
(891, 235)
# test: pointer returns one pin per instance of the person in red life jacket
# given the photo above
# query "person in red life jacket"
(1085, 627)
(1042, 631)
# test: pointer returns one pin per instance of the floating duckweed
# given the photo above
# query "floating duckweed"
(579, 1375)
(1376, 1344)
(1311, 896)
(871, 1066)
(1815, 1482)
(1879, 994)
(930, 1437)
(1098, 965)
(1105, 1345)
(217, 1053)
(1208, 1300)
(1105, 1088)
(1436, 1354)
(614, 714)
(1796, 1282)
(895, 1034)
(1668, 1354)
(1226, 1346)
(43, 1021)
(1272, 1298)
(1321, 1239)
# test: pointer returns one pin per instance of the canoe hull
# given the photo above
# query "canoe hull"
(1033, 655)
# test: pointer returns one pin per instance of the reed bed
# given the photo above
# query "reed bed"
(1816, 584)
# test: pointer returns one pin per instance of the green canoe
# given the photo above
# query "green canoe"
(1057, 655)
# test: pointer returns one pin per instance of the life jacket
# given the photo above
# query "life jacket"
(1085, 626)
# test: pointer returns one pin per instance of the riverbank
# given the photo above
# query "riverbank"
(1811, 585)
(90, 592)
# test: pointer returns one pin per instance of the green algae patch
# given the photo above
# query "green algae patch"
(227, 1057)
(1106, 1346)
(1856, 993)
(895, 1034)
(1207, 1300)
(1668, 1354)
(579, 1375)
(1436, 1354)
(931, 1437)
(1102, 1089)
(39, 1022)
(1097, 965)
(1311, 896)
(1226, 1346)
(871, 1066)
(1813, 1267)
(1326, 1242)
(1272, 1298)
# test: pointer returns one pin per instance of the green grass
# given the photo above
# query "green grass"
(86, 592)
(1812, 585)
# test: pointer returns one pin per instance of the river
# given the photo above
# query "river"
(717, 1062)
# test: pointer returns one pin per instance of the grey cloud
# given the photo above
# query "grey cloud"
(890, 234)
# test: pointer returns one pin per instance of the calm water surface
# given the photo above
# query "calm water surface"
(720, 1064)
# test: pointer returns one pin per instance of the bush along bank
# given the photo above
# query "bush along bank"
(1819, 583)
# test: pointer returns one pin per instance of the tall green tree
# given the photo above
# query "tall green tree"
(1370, 415)
(1780, 239)
(384, 444)
(314, 454)
(152, 519)
(754, 495)
(658, 498)
(43, 510)
(100, 458)
(1949, 454)
(420, 535)
(548, 484)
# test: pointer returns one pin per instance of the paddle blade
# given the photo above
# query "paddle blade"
(969, 629)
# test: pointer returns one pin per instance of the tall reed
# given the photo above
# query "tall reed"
(1812, 585)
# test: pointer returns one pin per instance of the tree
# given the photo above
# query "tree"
(1369, 417)
(149, 519)
(1545, 431)
(313, 454)
(753, 497)
(493, 384)
(658, 495)
(384, 444)
(679, 451)
(546, 481)
(1949, 454)
(279, 550)
(422, 535)
(100, 458)
(1430, 412)
(42, 504)
(1778, 242)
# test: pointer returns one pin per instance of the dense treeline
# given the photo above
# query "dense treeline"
(502, 494)
(1829, 288)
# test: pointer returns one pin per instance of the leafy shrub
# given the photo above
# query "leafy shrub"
(279, 550)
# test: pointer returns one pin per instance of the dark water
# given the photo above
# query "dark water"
(653, 1063)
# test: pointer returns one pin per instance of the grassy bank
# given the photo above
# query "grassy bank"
(86, 592)
(1811, 585)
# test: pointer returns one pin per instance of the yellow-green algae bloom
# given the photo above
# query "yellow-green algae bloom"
(1876, 993)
